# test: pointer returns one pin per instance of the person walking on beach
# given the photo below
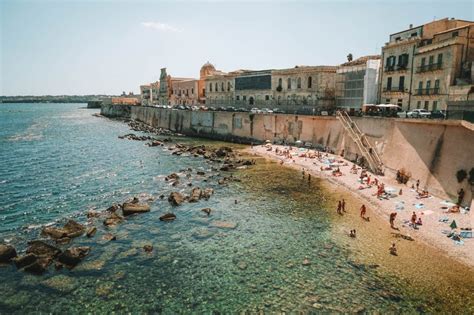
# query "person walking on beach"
(460, 196)
(309, 178)
(393, 250)
(339, 207)
(343, 205)
(413, 219)
(362, 211)
(417, 184)
(393, 215)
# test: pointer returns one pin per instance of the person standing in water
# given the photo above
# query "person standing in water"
(362, 211)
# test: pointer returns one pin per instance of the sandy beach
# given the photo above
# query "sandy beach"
(436, 220)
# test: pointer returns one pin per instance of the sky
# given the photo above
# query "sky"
(106, 47)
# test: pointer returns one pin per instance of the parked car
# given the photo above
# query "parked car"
(256, 110)
(438, 114)
(204, 108)
(415, 113)
(194, 108)
(211, 109)
(278, 111)
(181, 107)
(267, 110)
(221, 109)
(242, 109)
(230, 109)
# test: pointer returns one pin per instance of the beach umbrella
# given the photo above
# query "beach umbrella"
(299, 141)
(268, 141)
(453, 225)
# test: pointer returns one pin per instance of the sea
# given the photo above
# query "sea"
(277, 254)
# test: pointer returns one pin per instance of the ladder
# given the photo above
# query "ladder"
(368, 152)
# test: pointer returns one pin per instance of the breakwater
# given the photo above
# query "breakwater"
(432, 151)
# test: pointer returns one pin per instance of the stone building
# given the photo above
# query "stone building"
(219, 88)
(303, 88)
(184, 91)
(149, 93)
(399, 67)
(357, 82)
(253, 89)
(164, 93)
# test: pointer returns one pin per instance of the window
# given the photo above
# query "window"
(389, 83)
(217, 90)
(435, 105)
(418, 104)
(244, 97)
(192, 90)
(222, 86)
(237, 98)
(420, 88)
(228, 86)
(187, 92)
(403, 61)
(401, 84)
(310, 82)
(440, 59)
(267, 97)
(398, 38)
(414, 34)
(431, 60)
(289, 84)
(387, 101)
(455, 34)
(400, 102)
(427, 103)
(428, 86)
(298, 84)
(423, 61)
(210, 87)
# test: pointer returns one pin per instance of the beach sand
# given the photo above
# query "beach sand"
(431, 260)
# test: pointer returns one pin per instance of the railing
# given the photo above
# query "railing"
(394, 89)
(434, 91)
(395, 68)
(368, 152)
(429, 67)
(389, 68)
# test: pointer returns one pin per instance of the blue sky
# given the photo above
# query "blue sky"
(92, 47)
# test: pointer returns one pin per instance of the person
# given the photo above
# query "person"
(393, 249)
(460, 196)
(419, 222)
(343, 205)
(353, 233)
(362, 211)
(368, 180)
(376, 181)
(417, 184)
(339, 207)
(413, 219)
(400, 192)
(309, 178)
(393, 215)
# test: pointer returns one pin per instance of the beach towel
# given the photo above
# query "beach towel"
(443, 219)
(419, 205)
(466, 234)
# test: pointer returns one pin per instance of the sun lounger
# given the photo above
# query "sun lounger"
(466, 234)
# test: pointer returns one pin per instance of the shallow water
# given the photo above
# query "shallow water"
(58, 161)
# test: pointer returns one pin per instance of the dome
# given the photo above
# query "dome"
(207, 69)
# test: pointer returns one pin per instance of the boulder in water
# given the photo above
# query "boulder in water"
(195, 194)
(207, 193)
(206, 211)
(72, 256)
(172, 176)
(7, 253)
(148, 248)
(113, 219)
(91, 231)
(129, 208)
(70, 230)
(42, 249)
(168, 217)
(176, 198)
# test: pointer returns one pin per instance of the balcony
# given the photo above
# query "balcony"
(389, 68)
(434, 91)
(430, 67)
(400, 89)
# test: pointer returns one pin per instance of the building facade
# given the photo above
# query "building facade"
(409, 64)
(184, 91)
(357, 82)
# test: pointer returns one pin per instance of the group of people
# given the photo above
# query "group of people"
(341, 206)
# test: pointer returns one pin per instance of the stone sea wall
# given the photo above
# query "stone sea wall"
(116, 111)
(433, 151)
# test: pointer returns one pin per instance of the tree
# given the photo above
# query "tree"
(349, 57)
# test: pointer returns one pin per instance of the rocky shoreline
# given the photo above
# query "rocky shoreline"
(54, 246)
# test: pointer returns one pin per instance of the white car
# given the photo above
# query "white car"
(256, 110)
(266, 110)
(415, 113)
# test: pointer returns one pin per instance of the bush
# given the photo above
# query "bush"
(461, 175)
(471, 176)
(403, 176)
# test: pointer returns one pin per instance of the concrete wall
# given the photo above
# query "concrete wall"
(432, 151)
(116, 111)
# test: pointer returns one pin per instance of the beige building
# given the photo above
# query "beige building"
(402, 68)
(219, 88)
(149, 93)
(184, 91)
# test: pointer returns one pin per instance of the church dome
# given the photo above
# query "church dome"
(207, 69)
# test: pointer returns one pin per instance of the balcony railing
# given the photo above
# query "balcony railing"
(395, 68)
(389, 68)
(429, 67)
(394, 89)
(433, 91)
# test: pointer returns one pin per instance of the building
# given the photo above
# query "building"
(253, 88)
(408, 60)
(357, 82)
(184, 91)
(304, 88)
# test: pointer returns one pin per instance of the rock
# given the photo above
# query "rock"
(93, 214)
(91, 231)
(72, 256)
(225, 168)
(25, 260)
(42, 249)
(206, 211)
(207, 193)
(112, 208)
(224, 224)
(201, 173)
(223, 151)
(7, 253)
(55, 233)
(39, 266)
(132, 208)
(113, 219)
(306, 262)
(222, 181)
(168, 217)
(148, 248)
(109, 237)
(195, 194)
(176, 198)
(247, 162)
(70, 230)
(61, 283)
(242, 265)
(172, 176)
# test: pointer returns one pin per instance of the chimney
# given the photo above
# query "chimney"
(411, 26)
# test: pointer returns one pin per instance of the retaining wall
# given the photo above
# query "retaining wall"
(433, 151)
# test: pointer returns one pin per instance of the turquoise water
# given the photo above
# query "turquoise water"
(58, 161)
